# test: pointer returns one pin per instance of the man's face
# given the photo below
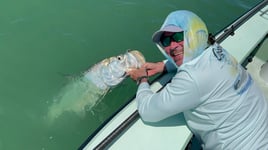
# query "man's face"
(173, 45)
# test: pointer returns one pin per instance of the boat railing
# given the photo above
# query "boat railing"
(230, 31)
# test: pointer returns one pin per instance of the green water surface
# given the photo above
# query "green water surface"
(44, 43)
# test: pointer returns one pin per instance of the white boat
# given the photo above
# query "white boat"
(126, 130)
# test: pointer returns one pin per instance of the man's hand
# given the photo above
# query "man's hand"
(154, 68)
(148, 69)
(136, 74)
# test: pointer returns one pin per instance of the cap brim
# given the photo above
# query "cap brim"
(157, 35)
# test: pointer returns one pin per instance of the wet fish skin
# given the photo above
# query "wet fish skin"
(112, 71)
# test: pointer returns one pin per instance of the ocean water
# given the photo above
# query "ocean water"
(46, 44)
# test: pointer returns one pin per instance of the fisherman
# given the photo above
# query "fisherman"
(221, 103)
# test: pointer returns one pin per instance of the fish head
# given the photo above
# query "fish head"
(114, 69)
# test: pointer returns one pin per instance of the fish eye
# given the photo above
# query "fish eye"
(119, 58)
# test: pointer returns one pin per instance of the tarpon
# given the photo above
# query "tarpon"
(83, 92)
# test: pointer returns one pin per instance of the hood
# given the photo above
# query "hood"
(195, 33)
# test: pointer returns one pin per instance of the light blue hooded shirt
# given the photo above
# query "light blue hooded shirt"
(221, 104)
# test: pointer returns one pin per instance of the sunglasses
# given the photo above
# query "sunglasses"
(176, 37)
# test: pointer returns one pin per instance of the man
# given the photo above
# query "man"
(221, 104)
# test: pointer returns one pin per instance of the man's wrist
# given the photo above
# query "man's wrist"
(142, 79)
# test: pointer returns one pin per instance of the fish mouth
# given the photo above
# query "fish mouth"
(134, 59)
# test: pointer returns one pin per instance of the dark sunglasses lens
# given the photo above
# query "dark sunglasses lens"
(178, 36)
(165, 41)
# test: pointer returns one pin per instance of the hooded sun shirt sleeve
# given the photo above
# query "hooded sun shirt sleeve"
(179, 95)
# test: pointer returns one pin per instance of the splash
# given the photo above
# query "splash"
(78, 96)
